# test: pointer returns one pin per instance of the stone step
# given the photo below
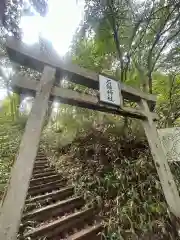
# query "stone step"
(41, 162)
(89, 233)
(44, 174)
(52, 195)
(51, 211)
(55, 209)
(48, 187)
(49, 197)
(46, 179)
(41, 166)
(61, 225)
(41, 170)
(43, 157)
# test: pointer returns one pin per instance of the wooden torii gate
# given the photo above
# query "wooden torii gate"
(52, 66)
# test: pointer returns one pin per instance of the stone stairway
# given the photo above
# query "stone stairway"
(52, 211)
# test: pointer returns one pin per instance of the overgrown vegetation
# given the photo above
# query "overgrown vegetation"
(114, 172)
(11, 129)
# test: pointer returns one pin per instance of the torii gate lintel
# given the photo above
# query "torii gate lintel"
(45, 89)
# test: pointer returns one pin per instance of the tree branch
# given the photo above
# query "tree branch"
(116, 38)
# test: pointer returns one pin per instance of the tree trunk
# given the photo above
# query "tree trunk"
(150, 82)
(11, 104)
(169, 122)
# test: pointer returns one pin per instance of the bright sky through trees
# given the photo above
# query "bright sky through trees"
(58, 26)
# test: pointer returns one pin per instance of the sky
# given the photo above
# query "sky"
(58, 26)
(2, 94)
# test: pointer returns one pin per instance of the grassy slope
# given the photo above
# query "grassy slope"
(119, 176)
(10, 135)
(114, 173)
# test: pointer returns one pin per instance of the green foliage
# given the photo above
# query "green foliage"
(136, 42)
(118, 175)
(11, 129)
(9, 138)
(168, 92)
(10, 106)
(131, 34)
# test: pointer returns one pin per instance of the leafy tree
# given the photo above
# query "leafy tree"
(132, 34)
(168, 98)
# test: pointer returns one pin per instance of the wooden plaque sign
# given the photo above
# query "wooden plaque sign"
(170, 139)
(109, 91)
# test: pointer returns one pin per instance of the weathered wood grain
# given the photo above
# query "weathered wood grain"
(21, 84)
(32, 57)
(12, 206)
(166, 178)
